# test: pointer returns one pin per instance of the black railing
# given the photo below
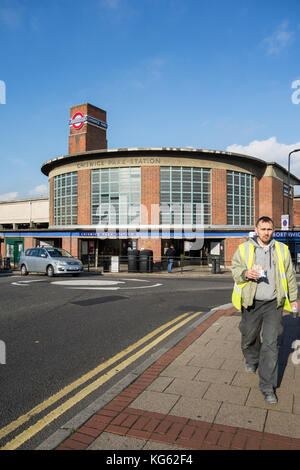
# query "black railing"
(144, 263)
(5, 264)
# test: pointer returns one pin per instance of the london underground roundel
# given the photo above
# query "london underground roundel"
(77, 120)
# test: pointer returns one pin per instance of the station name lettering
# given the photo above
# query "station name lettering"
(118, 162)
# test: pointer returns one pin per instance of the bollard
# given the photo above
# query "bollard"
(106, 264)
(6, 264)
(213, 266)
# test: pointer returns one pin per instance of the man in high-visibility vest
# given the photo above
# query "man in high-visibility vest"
(265, 285)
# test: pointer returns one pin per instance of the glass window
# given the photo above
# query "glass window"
(240, 198)
(65, 208)
(116, 195)
(185, 195)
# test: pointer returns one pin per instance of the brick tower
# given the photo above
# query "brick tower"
(87, 128)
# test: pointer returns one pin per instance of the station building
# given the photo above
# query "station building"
(106, 201)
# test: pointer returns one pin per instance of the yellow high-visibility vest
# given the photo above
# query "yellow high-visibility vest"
(237, 290)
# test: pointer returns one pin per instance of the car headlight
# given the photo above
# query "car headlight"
(61, 263)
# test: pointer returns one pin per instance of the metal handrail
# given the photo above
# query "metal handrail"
(181, 262)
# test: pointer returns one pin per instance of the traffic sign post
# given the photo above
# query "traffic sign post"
(285, 222)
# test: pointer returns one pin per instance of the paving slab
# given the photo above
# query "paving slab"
(200, 397)
(227, 393)
(188, 388)
(109, 441)
(196, 408)
(155, 401)
(218, 376)
(285, 424)
(241, 416)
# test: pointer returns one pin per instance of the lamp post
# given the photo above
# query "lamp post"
(289, 177)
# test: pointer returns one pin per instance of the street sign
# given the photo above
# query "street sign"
(285, 222)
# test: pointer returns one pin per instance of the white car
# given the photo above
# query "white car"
(49, 260)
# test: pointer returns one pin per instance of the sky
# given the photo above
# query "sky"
(210, 74)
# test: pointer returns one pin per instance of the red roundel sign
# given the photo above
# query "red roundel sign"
(77, 120)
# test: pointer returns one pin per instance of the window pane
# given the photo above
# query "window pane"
(65, 208)
(120, 187)
(189, 187)
(240, 201)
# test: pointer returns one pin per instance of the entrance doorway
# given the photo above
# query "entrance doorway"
(197, 251)
(92, 251)
(14, 248)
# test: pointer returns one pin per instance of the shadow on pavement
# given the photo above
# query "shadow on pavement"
(291, 332)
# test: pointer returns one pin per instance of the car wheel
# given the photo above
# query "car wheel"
(50, 271)
(24, 271)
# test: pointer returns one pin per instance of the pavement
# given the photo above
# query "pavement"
(194, 395)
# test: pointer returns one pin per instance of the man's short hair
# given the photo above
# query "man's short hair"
(264, 219)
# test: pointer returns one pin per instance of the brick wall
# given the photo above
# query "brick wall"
(150, 200)
(219, 197)
(296, 212)
(51, 201)
(70, 244)
(84, 197)
(88, 137)
(231, 245)
(256, 199)
(29, 242)
(271, 199)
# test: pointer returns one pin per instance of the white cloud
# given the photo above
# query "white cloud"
(271, 151)
(9, 196)
(40, 190)
(279, 40)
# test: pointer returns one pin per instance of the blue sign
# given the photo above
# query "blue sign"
(79, 118)
(286, 235)
(97, 122)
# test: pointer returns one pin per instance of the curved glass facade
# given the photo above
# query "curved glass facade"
(65, 200)
(185, 195)
(116, 196)
(240, 198)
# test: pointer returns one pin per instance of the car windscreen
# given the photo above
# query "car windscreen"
(59, 253)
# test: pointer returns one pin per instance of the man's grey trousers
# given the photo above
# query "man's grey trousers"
(267, 316)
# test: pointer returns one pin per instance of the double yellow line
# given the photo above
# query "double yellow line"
(28, 433)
